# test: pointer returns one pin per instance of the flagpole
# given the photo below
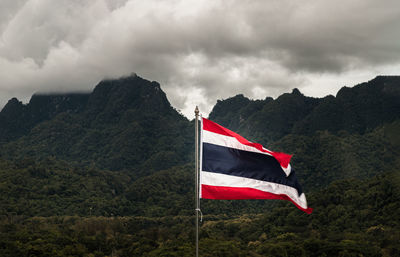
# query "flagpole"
(196, 112)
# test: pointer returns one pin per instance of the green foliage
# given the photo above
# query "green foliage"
(325, 157)
(358, 223)
(51, 187)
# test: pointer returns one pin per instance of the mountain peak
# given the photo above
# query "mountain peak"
(133, 92)
(296, 91)
(112, 101)
(12, 108)
(12, 103)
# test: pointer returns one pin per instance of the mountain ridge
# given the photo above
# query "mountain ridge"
(113, 126)
(357, 110)
(120, 123)
(129, 125)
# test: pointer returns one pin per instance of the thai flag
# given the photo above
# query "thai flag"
(231, 167)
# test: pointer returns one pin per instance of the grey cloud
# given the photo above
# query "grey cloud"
(328, 36)
(41, 25)
(199, 51)
(8, 8)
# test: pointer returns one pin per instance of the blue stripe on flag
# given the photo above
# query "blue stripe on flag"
(231, 161)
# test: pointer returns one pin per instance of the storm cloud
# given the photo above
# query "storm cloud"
(199, 51)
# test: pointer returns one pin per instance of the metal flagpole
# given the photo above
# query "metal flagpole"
(196, 112)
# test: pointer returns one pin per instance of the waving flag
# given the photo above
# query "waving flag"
(234, 168)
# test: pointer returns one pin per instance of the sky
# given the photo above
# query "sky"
(199, 51)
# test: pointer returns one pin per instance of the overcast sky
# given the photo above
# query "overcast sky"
(199, 51)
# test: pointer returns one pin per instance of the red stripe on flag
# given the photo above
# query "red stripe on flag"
(241, 193)
(282, 158)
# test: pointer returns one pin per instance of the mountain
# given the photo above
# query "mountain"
(356, 110)
(127, 127)
(127, 122)
(123, 124)
(17, 119)
(110, 173)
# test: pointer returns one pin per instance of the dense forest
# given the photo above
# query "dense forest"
(110, 173)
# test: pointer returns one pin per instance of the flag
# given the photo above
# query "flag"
(232, 167)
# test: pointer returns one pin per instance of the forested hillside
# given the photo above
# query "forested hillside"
(355, 110)
(110, 173)
(126, 124)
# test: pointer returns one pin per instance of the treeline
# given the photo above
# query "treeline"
(52, 187)
(351, 218)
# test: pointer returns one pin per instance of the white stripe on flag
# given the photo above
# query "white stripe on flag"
(231, 142)
(217, 179)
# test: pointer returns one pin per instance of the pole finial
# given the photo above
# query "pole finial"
(196, 111)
